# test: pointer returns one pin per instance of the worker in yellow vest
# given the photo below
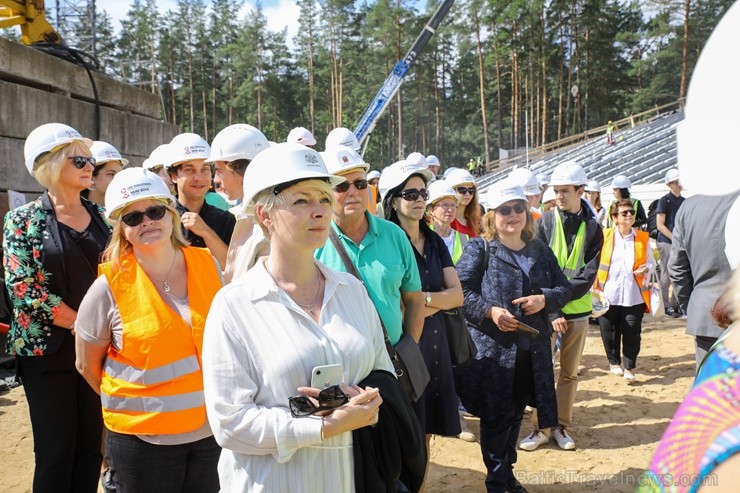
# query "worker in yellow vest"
(575, 238)
(623, 276)
(139, 340)
(441, 209)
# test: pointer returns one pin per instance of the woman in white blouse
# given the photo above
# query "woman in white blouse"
(268, 329)
(624, 272)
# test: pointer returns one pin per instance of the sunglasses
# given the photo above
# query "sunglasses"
(155, 213)
(80, 162)
(626, 213)
(505, 210)
(344, 186)
(413, 194)
(329, 398)
(466, 190)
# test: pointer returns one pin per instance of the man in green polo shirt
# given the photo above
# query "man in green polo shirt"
(379, 250)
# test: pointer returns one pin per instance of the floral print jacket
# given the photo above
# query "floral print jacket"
(27, 278)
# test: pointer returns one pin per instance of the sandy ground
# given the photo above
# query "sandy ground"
(616, 426)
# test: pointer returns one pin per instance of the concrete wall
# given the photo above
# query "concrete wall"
(37, 88)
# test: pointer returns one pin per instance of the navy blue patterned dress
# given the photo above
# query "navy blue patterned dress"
(437, 407)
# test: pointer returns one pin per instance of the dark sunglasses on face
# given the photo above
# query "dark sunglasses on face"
(466, 190)
(412, 194)
(80, 162)
(627, 213)
(505, 210)
(155, 213)
(329, 398)
(344, 186)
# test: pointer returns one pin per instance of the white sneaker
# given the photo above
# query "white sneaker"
(533, 440)
(616, 370)
(629, 377)
(562, 438)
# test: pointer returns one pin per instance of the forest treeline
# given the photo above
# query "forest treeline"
(496, 74)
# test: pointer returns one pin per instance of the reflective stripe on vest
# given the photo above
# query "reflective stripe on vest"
(571, 262)
(642, 243)
(154, 385)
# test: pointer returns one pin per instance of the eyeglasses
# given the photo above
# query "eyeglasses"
(505, 210)
(626, 213)
(446, 206)
(412, 194)
(344, 186)
(155, 213)
(466, 190)
(80, 162)
(329, 398)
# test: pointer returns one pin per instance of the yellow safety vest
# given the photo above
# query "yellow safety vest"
(458, 244)
(642, 242)
(570, 262)
(154, 385)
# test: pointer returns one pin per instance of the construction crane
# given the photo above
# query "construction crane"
(395, 79)
(29, 14)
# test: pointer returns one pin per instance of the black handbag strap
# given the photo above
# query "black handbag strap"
(334, 237)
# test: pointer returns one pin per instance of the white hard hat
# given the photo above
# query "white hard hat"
(525, 179)
(502, 192)
(433, 160)
(448, 171)
(399, 172)
(543, 179)
(458, 177)
(439, 190)
(46, 138)
(281, 164)
(131, 185)
(732, 235)
(568, 173)
(418, 159)
(300, 135)
(706, 159)
(599, 303)
(548, 195)
(593, 186)
(185, 147)
(621, 181)
(341, 136)
(671, 175)
(339, 160)
(239, 141)
(373, 174)
(156, 158)
(103, 152)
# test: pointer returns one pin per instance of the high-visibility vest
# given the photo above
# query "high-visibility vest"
(372, 200)
(458, 244)
(154, 385)
(570, 262)
(642, 244)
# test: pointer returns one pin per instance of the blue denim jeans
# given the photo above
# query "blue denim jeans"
(141, 467)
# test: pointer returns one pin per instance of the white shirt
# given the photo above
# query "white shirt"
(621, 288)
(259, 347)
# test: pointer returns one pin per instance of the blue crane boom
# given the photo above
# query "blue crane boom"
(395, 79)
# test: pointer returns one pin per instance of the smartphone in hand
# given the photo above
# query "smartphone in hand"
(526, 329)
(326, 375)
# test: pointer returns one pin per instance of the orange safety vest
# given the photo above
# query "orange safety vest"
(372, 200)
(642, 239)
(154, 386)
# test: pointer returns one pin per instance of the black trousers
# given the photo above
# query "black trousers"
(498, 439)
(67, 422)
(621, 329)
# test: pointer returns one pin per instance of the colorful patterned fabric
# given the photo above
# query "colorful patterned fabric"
(704, 432)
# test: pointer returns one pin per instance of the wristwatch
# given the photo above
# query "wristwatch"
(427, 298)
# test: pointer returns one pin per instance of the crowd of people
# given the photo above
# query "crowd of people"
(171, 320)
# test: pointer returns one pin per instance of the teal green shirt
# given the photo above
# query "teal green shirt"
(214, 199)
(386, 264)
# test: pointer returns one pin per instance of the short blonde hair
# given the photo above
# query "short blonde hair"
(489, 231)
(267, 200)
(49, 165)
(118, 246)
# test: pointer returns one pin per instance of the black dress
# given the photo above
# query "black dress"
(437, 406)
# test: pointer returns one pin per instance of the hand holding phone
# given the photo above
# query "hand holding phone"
(526, 329)
(326, 375)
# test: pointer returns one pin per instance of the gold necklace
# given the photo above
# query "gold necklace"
(309, 308)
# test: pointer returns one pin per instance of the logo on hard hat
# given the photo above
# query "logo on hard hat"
(311, 159)
(72, 134)
(345, 159)
(124, 193)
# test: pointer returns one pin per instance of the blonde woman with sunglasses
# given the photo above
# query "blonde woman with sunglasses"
(51, 249)
(139, 340)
